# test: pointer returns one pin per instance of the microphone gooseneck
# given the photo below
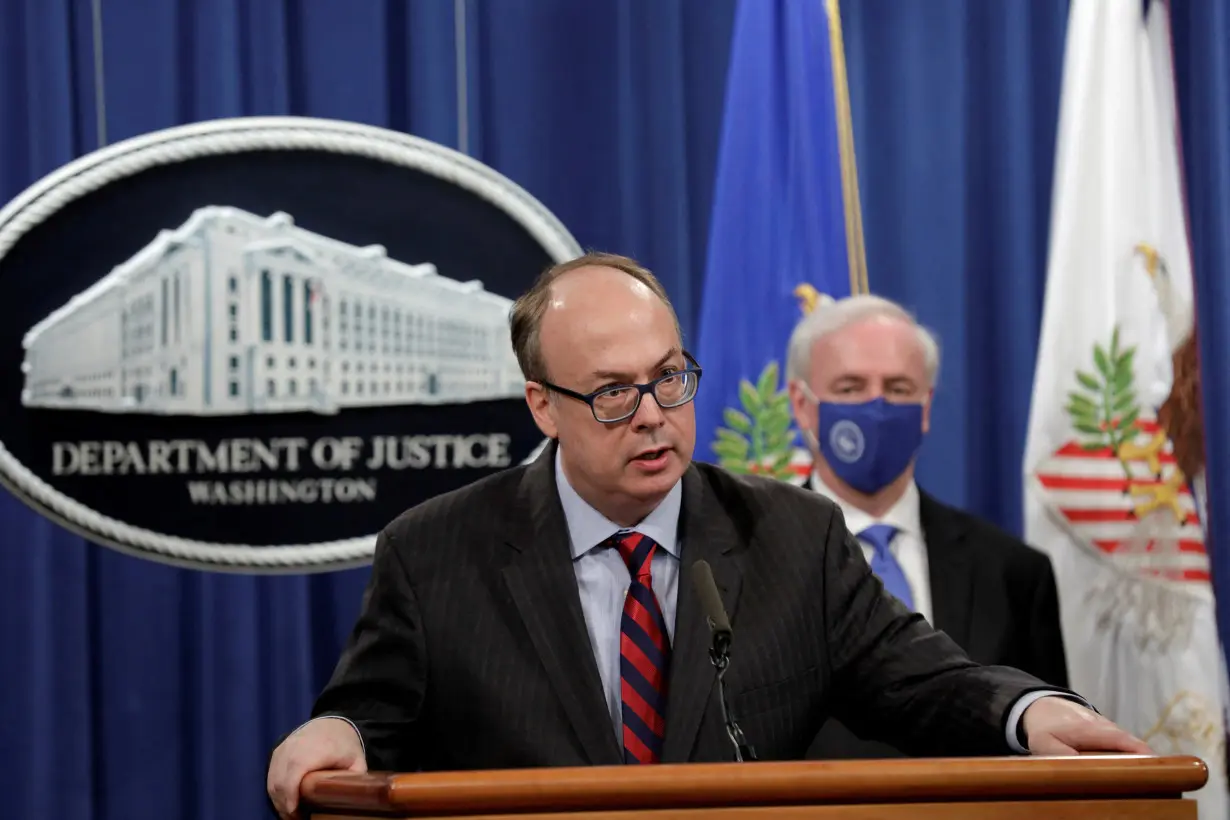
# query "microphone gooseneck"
(719, 652)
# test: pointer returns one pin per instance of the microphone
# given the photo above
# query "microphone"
(719, 651)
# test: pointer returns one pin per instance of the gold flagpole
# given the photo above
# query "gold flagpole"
(855, 249)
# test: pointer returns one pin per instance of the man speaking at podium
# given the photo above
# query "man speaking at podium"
(546, 615)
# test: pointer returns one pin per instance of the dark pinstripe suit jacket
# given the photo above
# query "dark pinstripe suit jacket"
(471, 650)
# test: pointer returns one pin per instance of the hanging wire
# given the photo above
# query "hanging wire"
(100, 87)
(463, 106)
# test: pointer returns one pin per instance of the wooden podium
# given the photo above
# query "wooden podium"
(1089, 787)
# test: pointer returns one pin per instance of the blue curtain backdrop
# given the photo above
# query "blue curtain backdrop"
(131, 690)
(1201, 37)
(955, 106)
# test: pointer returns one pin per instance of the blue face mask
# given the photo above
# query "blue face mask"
(869, 445)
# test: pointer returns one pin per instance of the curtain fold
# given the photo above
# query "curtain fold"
(1201, 34)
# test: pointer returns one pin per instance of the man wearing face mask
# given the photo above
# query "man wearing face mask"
(861, 377)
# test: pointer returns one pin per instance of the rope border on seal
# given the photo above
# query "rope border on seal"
(228, 136)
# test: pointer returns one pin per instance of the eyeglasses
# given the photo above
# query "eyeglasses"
(621, 401)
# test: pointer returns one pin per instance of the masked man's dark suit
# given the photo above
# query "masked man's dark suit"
(994, 595)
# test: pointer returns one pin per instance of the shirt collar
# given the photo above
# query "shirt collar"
(904, 515)
(587, 528)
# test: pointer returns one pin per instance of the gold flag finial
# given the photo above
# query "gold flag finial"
(808, 298)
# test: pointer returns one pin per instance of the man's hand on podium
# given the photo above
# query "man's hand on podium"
(1058, 726)
(318, 745)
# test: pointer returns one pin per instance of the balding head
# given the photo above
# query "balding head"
(590, 276)
(591, 310)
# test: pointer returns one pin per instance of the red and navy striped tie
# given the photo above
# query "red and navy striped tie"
(644, 652)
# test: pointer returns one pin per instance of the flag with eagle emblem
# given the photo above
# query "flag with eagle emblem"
(1110, 491)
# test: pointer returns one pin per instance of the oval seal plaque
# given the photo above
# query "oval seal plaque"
(248, 344)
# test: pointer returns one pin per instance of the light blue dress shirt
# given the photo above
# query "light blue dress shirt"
(603, 577)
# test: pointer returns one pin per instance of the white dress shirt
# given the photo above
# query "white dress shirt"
(908, 546)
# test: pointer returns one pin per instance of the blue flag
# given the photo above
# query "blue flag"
(778, 234)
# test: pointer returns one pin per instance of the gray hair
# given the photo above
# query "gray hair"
(833, 316)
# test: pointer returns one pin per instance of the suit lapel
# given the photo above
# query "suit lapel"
(950, 567)
(705, 533)
(543, 585)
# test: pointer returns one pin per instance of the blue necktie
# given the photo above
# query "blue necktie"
(884, 563)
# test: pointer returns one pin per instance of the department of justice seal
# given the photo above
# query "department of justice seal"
(248, 344)
(846, 439)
